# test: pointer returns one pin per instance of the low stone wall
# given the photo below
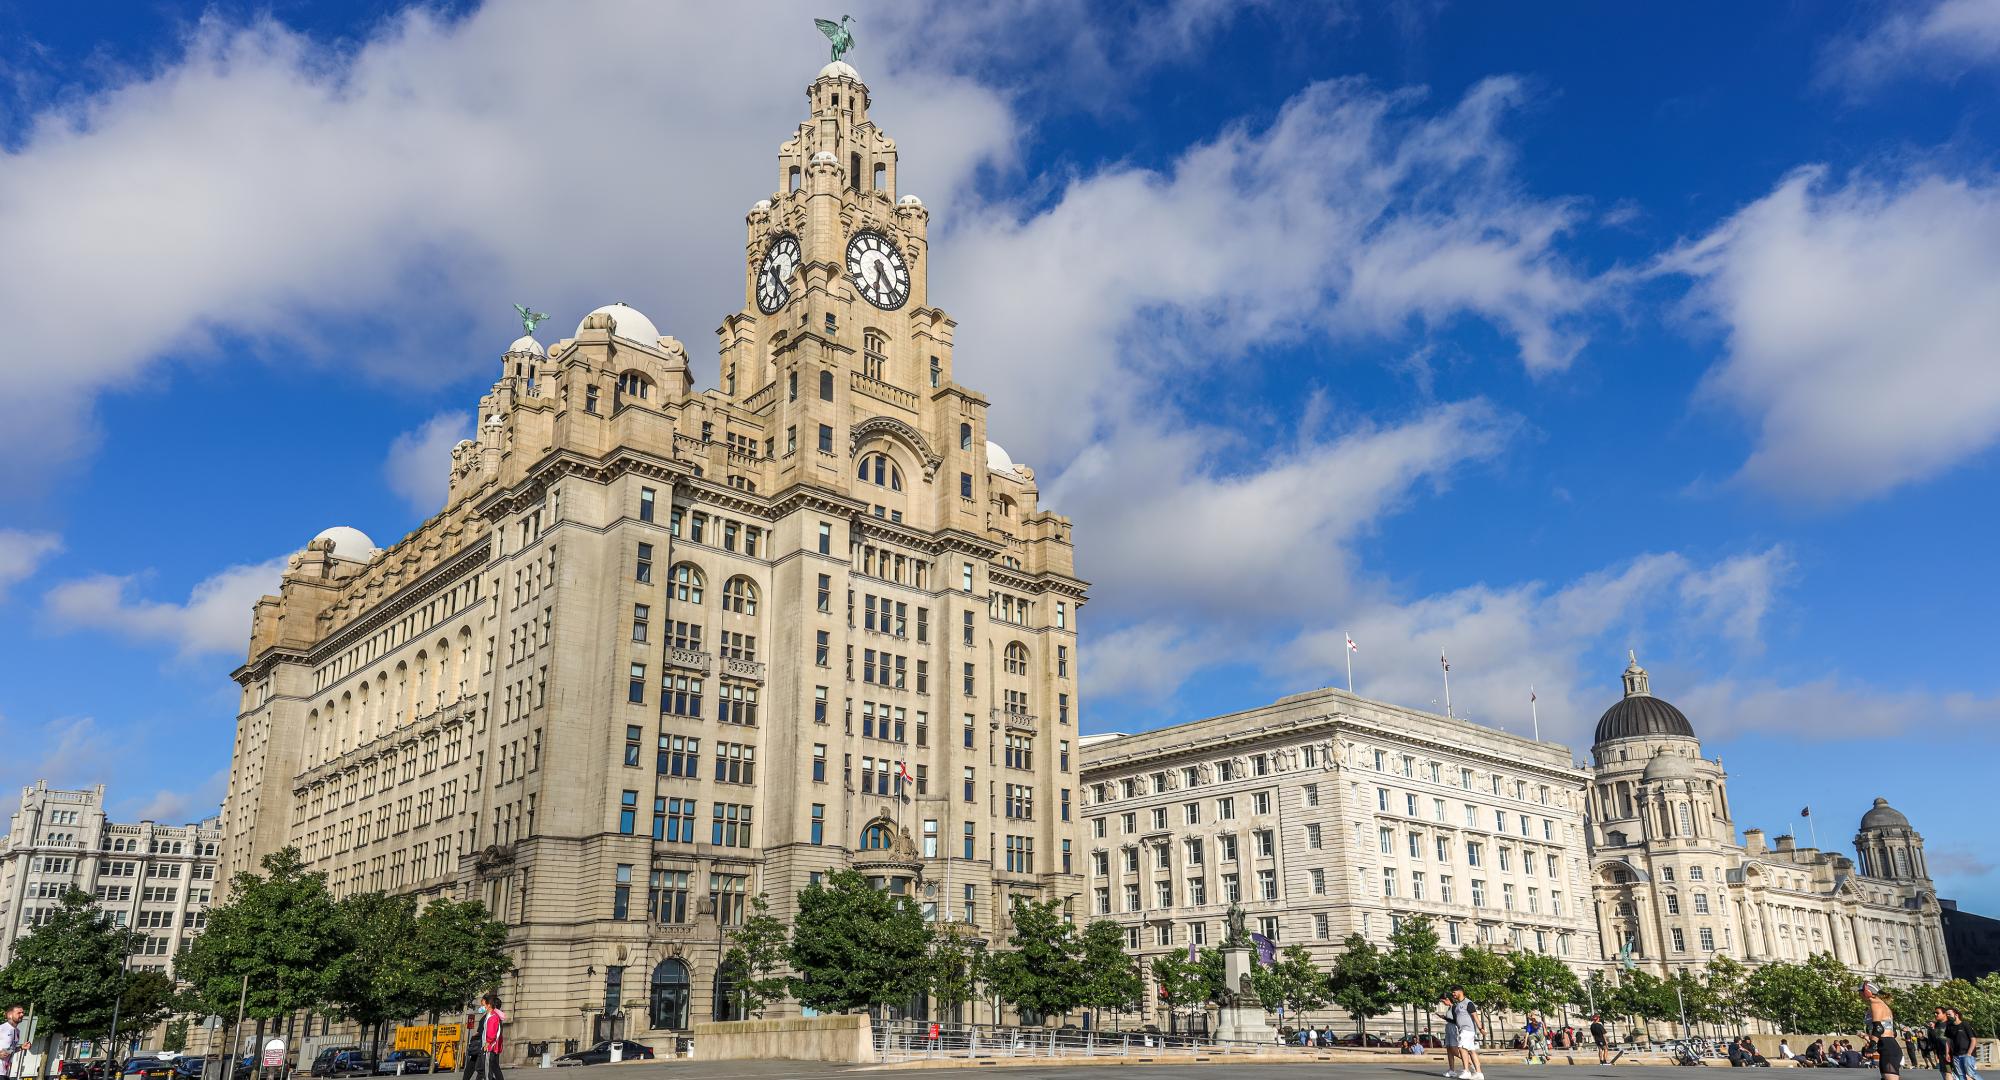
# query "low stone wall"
(814, 1038)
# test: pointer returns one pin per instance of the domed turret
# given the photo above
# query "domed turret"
(627, 323)
(1640, 715)
(1667, 765)
(1884, 816)
(1889, 847)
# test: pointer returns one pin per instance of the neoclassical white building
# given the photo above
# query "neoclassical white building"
(1674, 887)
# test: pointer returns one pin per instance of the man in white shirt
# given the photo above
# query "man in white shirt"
(11, 1055)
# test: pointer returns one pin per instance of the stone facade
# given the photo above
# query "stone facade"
(664, 650)
(1326, 815)
(1674, 887)
(157, 879)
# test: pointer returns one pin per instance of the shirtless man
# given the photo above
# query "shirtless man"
(1882, 1027)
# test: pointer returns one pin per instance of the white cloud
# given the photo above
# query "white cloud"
(1352, 213)
(1943, 39)
(172, 806)
(69, 752)
(22, 553)
(419, 463)
(215, 618)
(270, 189)
(1831, 708)
(1862, 319)
(1736, 594)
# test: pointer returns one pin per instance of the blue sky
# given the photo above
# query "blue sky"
(1527, 334)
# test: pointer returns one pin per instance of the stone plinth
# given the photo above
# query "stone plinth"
(1244, 1021)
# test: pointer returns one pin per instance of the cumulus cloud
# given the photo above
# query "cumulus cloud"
(1355, 213)
(22, 553)
(72, 751)
(1861, 317)
(419, 463)
(270, 189)
(176, 806)
(215, 618)
(1832, 708)
(1942, 40)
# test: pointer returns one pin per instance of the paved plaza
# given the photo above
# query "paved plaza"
(795, 1070)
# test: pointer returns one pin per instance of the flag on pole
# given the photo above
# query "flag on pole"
(1267, 950)
(1351, 646)
(1531, 695)
(1192, 954)
(1807, 812)
(903, 770)
(1446, 663)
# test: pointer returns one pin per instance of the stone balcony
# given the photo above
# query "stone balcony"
(743, 669)
(1018, 721)
(688, 658)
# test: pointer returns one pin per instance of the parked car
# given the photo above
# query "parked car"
(324, 1061)
(344, 1062)
(189, 1068)
(149, 1069)
(404, 1061)
(1364, 1039)
(86, 1069)
(601, 1053)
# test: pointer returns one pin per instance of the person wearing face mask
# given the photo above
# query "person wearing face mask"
(491, 1021)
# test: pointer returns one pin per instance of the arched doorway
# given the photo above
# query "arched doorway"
(669, 1007)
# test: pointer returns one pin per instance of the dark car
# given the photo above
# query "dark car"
(189, 1068)
(149, 1069)
(404, 1061)
(344, 1062)
(323, 1063)
(1368, 1039)
(601, 1053)
(92, 1069)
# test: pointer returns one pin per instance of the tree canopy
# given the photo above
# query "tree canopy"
(1041, 973)
(70, 968)
(854, 947)
(756, 952)
(1359, 981)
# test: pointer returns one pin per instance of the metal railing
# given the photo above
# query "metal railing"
(913, 1040)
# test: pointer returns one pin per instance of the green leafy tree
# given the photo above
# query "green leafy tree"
(1416, 965)
(956, 968)
(282, 930)
(1292, 982)
(461, 952)
(1188, 985)
(1540, 983)
(1645, 996)
(1816, 996)
(1727, 986)
(1110, 977)
(1597, 994)
(69, 970)
(176, 1038)
(376, 980)
(1359, 981)
(756, 953)
(1485, 974)
(1041, 972)
(854, 947)
(1693, 1002)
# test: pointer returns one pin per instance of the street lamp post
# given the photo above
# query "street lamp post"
(118, 999)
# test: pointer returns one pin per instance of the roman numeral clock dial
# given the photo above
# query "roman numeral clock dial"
(774, 274)
(877, 270)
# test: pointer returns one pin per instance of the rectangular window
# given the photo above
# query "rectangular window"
(643, 571)
(824, 599)
(818, 822)
(635, 686)
(821, 648)
(621, 893)
(825, 439)
(641, 615)
(645, 504)
(965, 485)
(633, 734)
(825, 538)
(628, 812)
(1388, 881)
(1318, 879)
(1478, 893)
(729, 825)
(970, 783)
(969, 835)
(968, 679)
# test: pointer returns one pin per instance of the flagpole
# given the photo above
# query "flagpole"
(1812, 829)
(1447, 684)
(1535, 712)
(1350, 660)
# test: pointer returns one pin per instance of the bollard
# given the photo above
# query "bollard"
(548, 1059)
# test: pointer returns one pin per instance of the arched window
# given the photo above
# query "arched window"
(965, 436)
(670, 995)
(634, 385)
(877, 837)
(826, 386)
(1017, 659)
(739, 594)
(685, 583)
(877, 469)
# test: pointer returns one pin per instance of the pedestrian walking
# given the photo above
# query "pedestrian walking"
(1935, 1046)
(1451, 1059)
(1464, 1020)
(1599, 1036)
(12, 1059)
(491, 1023)
(1959, 1043)
(1882, 1028)
(471, 1065)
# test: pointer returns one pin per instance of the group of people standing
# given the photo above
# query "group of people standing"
(483, 1041)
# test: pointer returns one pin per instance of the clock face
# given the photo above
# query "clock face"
(774, 274)
(877, 270)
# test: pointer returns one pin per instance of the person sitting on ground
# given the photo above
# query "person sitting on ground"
(1784, 1049)
(1753, 1058)
(1736, 1054)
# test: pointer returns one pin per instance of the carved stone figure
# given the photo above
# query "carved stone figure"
(1238, 936)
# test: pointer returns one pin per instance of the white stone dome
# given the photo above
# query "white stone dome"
(839, 69)
(349, 543)
(997, 459)
(909, 200)
(627, 323)
(526, 343)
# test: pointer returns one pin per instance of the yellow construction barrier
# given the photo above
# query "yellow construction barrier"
(442, 1041)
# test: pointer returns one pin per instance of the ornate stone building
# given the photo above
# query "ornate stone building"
(1674, 887)
(666, 649)
(157, 879)
(1326, 815)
